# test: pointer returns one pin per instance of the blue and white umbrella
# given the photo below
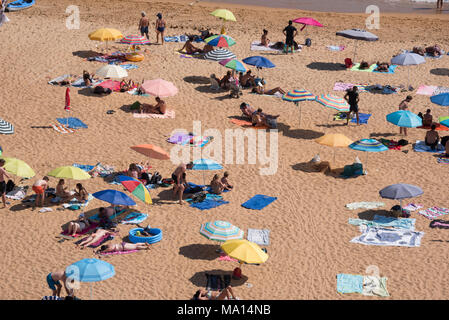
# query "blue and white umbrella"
(90, 270)
(405, 119)
(205, 165)
(221, 231)
(368, 145)
(6, 127)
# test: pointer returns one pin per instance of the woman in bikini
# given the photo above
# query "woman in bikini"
(95, 237)
(227, 293)
(78, 226)
(160, 27)
(261, 90)
(81, 193)
(124, 246)
(61, 191)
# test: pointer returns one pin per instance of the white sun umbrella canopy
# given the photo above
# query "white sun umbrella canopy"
(111, 71)
(357, 34)
(219, 54)
(408, 59)
(6, 127)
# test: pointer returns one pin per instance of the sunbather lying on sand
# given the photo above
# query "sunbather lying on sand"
(190, 48)
(247, 110)
(382, 67)
(227, 293)
(260, 119)
(419, 50)
(95, 237)
(67, 81)
(434, 51)
(124, 246)
(159, 108)
(260, 89)
(78, 225)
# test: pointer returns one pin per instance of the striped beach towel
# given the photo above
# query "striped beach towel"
(62, 128)
(433, 212)
(443, 160)
(169, 114)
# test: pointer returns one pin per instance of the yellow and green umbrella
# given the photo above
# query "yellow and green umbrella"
(18, 167)
(69, 172)
(136, 188)
(224, 14)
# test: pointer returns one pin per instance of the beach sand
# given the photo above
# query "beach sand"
(309, 226)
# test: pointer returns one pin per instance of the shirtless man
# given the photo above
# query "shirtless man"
(53, 279)
(178, 177)
(216, 185)
(160, 27)
(427, 119)
(404, 106)
(159, 108)
(432, 138)
(248, 80)
(264, 41)
(39, 188)
(124, 246)
(261, 90)
(190, 48)
(143, 25)
(3, 175)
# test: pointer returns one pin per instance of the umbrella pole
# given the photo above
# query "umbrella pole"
(408, 78)
(299, 114)
(91, 291)
(400, 204)
(355, 48)
(334, 156)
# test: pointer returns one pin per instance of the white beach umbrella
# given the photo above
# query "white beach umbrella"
(408, 59)
(111, 71)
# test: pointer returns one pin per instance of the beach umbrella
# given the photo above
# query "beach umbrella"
(135, 40)
(151, 151)
(136, 188)
(404, 118)
(205, 165)
(233, 64)
(357, 34)
(444, 123)
(114, 197)
(259, 62)
(105, 35)
(112, 71)
(297, 96)
(224, 14)
(221, 231)
(69, 172)
(244, 251)
(368, 145)
(6, 127)
(90, 270)
(219, 54)
(1, 150)
(408, 59)
(334, 140)
(333, 102)
(220, 41)
(400, 191)
(306, 21)
(159, 88)
(441, 99)
(18, 167)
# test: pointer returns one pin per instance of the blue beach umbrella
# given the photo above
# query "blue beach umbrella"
(404, 118)
(114, 197)
(259, 62)
(400, 191)
(90, 270)
(368, 145)
(442, 99)
(206, 165)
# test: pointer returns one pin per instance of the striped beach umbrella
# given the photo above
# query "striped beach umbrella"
(205, 165)
(221, 231)
(233, 64)
(368, 145)
(219, 54)
(298, 96)
(135, 40)
(333, 102)
(6, 127)
(220, 41)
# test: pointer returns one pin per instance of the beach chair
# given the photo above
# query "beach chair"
(348, 63)
(214, 84)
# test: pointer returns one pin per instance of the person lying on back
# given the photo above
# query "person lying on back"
(434, 51)
(382, 67)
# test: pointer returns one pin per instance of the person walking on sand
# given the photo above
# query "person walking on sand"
(160, 27)
(179, 179)
(3, 175)
(39, 188)
(290, 32)
(352, 97)
(143, 25)
(404, 106)
(53, 281)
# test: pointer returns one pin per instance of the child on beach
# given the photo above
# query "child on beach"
(53, 281)
(39, 188)
(3, 175)
(225, 181)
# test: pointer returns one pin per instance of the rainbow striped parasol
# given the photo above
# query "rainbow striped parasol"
(135, 40)
(220, 41)
(368, 145)
(221, 231)
(334, 102)
(298, 95)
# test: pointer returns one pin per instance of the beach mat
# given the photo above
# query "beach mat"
(134, 218)
(378, 236)
(335, 48)
(258, 202)
(364, 205)
(101, 241)
(390, 144)
(255, 46)
(259, 236)
(73, 123)
(129, 66)
(84, 167)
(95, 217)
(433, 212)
(349, 283)
(357, 65)
(391, 69)
(114, 85)
(363, 118)
(90, 228)
(209, 196)
(62, 128)
(439, 127)
(169, 114)
(385, 222)
(208, 204)
(246, 124)
(55, 81)
(134, 92)
(420, 146)
(343, 86)
(431, 90)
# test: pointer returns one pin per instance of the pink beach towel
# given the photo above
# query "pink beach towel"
(117, 252)
(114, 85)
(85, 231)
(426, 90)
(224, 257)
(169, 114)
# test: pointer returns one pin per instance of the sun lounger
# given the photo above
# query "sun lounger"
(258, 202)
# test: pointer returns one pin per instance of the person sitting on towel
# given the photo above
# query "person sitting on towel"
(248, 80)
(432, 137)
(225, 181)
(260, 119)
(427, 119)
(382, 67)
(434, 51)
(227, 293)
(264, 41)
(225, 81)
(61, 191)
(190, 48)
(88, 78)
(81, 193)
(260, 89)
(133, 171)
(159, 108)
(216, 185)
(124, 246)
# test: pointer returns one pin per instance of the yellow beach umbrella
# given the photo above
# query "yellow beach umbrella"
(224, 14)
(244, 251)
(69, 172)
(105, 34)
(334, 140)
(18, 167)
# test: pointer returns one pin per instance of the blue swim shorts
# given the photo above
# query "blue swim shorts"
(51, 283)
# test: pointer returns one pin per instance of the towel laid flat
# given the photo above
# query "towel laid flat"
(391, 69)
(378, 236)
(433, 212)
(62, 128)
(335, 48)
(84, 167)
(364, 205)
(375, 286)
(420, 146)
(90, 228)
(357, 65)
(256, 46)
(58, 79)
(343, 86)
(18, 193)
(79, 83)
(114, 85)
(169, 114)
(95, 217)
(117, 252)
(187, 139)
(431, 90)
(443, 160)
(258, 202)
(363, 118)
(440, 224)
(390, 144)
(246, 124)
(224, 257)
(261, 237)
(209, 196)
(365, 285)
(382, 221)
(439, 127)
(129, 66)
(349, 283)
(73, 123)
(134, 92)
(100, 241)
(412, 207)
(134, 218)
(208, 204)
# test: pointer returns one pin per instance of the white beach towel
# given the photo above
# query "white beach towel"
(17, 194)
(261, 237)
(375, 286)
(364, 205)
(412, 207)
(169, 114)
(256, 46)
(388, 237)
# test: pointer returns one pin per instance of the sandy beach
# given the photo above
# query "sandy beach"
(309, 231)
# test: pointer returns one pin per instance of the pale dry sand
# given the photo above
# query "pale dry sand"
(309, 230)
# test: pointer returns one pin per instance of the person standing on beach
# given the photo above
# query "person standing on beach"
(404, 106)
(39, 188)
(143, 25)
(53, 281)
(352, 97)
(439, 4)
(290, 32)
(160, 27)
(179, 177)
(3, 175)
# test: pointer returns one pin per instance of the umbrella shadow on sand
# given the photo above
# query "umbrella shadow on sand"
(380, 135)
(199, 279)
(326, 66)
(197, 79)
(440, 71)
(369, 214)
(304, 167)
(298, 133)
(88, 92)
(200, 251)
(208, 89)
(86, 54)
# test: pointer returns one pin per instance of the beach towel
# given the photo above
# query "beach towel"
(209, 196)
(342, 86)
(349, 283)
(134, 92)
(375, 286)
(56, 80)
(18, 193)
(390, 144)
(169, 114)
(357, 65)
(378, 236)
(79, 83)
(426, 90)
(335, 48)
(129, 66)
(439, 90)
(114, 85)
(384, 222)
(433, 212)
(62, 128)
(364, 205)
(363, 118)
(183, 54)
(84, 167)
(440, 224)
(225, 257)
(420, 146)
(208, 204)
(256, 46)
(246, 124)
(439, 127)
(73, 123)
(187, 139)
(182, 38)
(391, 69)
(75, 202)
(261, 237)
(258, 202)
(134, 218)
(90, 228)
(100, 241)
(193, 187)
(275, 95)
(114, 216)
(443, 160)
(412, 207)
(117, 252)
(209, 189)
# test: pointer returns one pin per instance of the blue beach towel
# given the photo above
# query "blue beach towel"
(208, 204)
(128, 66)
(134, 218)
(363, 118)
(84, 167)
(258, 202)
(391, 69)
(74, 123)
(349, 283)
(420, 146)
(382, 221)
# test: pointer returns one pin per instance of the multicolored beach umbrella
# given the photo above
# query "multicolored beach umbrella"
(136, 188)
(298, 96)
(333, 102)
(405, 119)
(220, 41)
(368, 145)
(221, 231)
(135, 40)
(219, 54)
(233, 64)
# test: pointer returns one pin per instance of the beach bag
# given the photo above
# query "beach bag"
(10, 186)
(402, 142)
(156, 178)
(199, 197)
(308, 42)
(135, 106)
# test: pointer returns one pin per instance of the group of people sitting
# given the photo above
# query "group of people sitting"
(381, 66)
(191, 49)
(433, 138)
(434, 51)
(219, 185)
(140, 172)
(80, 193)
(227, 81)
(258, 118)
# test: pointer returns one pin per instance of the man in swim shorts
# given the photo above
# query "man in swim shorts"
(178, 177)
(290, 32)
(39, 188)
(53, 281)
(143, 25)
(3, 175)
(352, 97)
(160, 27)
